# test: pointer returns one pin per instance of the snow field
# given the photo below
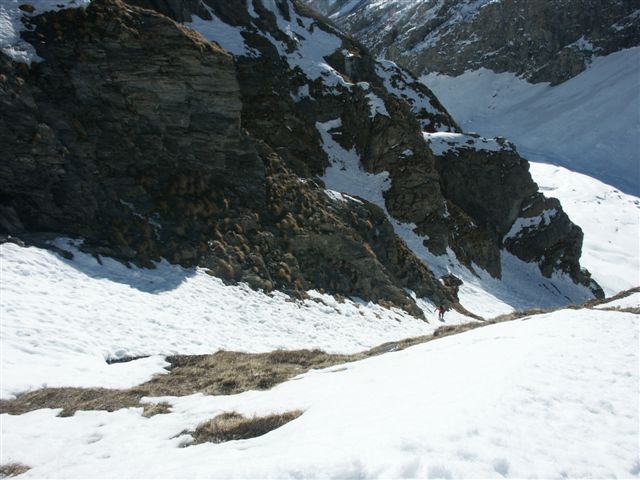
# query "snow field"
(552, 396)
(609, 219)
(61, 319)
(590, 123)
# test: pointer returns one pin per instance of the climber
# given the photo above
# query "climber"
(441, 311)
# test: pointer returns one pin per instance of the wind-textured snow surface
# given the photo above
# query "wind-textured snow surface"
(609, 219)
(554, 396)
(62, 319)
(589, 124)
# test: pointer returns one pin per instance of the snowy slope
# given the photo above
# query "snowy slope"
(609, 219)
(522, 284)
(554, 396)
(589, 124)
(62, 319)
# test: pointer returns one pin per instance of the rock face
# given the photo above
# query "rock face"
(140, 152)
(540, 40)
(112, 138)
(146, 140)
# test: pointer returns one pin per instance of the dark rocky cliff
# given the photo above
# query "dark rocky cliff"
(128, 135)
(148, 141)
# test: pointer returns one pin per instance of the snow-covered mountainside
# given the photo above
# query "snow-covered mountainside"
(559, 78)
(589, 124)
(546, 396)
(609, 218)
(225, 228)
(239, 175)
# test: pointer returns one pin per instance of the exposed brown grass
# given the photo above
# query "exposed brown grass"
(71, 400)
(600, 301)
(12, 469)
(233, 426)
(222, 373)
(634, 310)
(151, 409)
(225, 373)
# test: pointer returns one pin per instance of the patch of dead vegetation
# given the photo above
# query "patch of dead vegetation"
(151, 409)
(222, 373)
(600, 301)
(634, 310)
(70, 400)
(12, 469)
(233, 426)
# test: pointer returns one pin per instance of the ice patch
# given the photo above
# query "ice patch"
(376, 106)
(345, 173)
(522, 225)
(443, 142)
(227, 36)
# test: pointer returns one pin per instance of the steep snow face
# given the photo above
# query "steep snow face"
(609, 219)
(590, 123)
(553, 396)
(62, 319)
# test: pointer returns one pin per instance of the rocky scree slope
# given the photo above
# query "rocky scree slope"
(540, 40)
(138, 135)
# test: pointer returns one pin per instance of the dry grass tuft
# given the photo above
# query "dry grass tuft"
(151, 409)
(12, 469)
(71, 400)
(634, 310)
(233, 426)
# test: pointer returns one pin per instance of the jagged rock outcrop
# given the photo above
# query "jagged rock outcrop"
(128, 135)
(105, 142)
(146, 140)
(540, 40)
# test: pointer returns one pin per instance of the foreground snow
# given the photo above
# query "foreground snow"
(589, 124)
(552, 396)
(61, 320)
(609, 219)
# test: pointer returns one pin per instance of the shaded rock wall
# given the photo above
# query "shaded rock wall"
(129, 135)
(453, 206)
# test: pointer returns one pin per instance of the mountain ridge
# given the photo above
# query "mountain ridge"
(304, 110)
